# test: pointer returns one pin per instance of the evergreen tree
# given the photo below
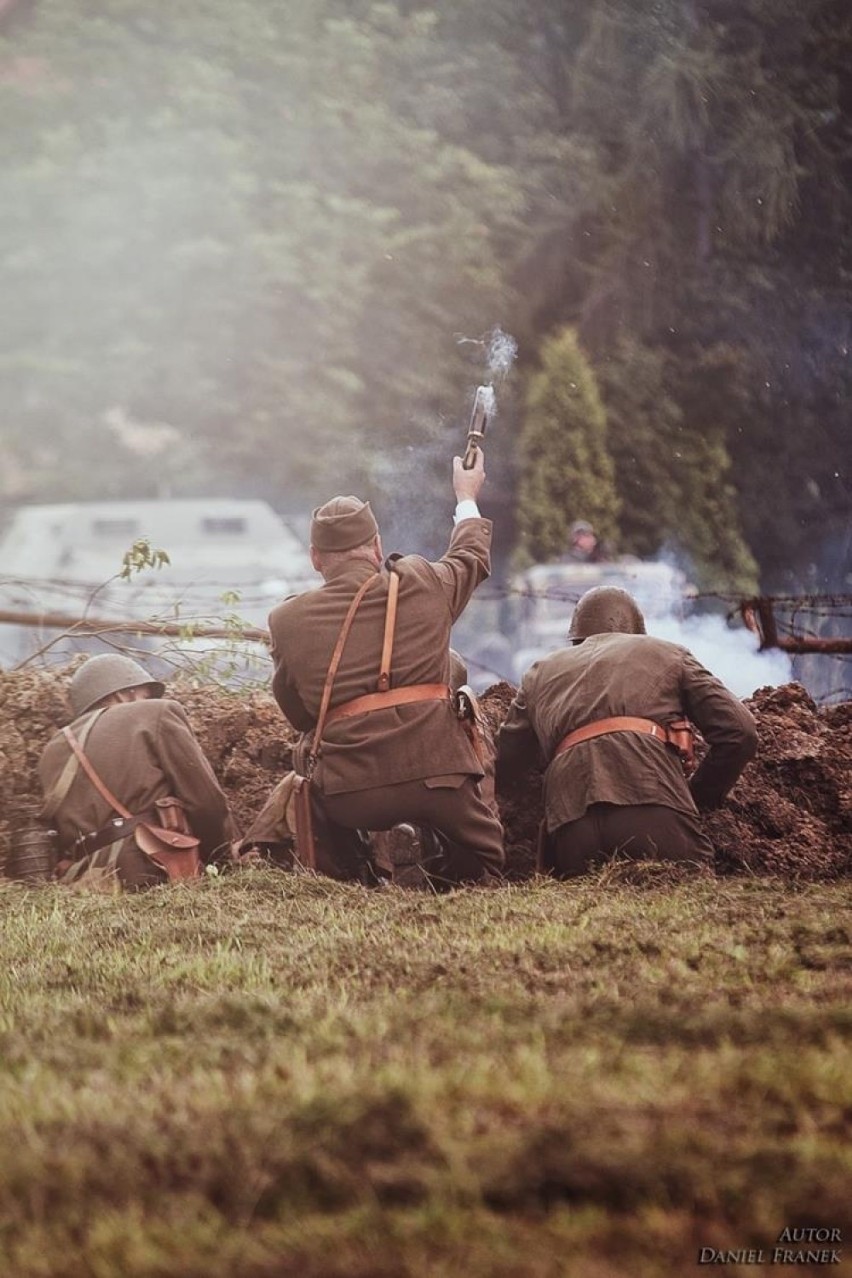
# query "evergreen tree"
(672, 467)
(566, 472)
(272, 228)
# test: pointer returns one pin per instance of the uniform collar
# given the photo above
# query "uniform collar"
(354, 570)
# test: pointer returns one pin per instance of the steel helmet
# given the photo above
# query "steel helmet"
(606, 610)
(100, 676)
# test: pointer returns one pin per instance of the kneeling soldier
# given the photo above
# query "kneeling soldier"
(363, 669)
(607, 717)
(128, 766)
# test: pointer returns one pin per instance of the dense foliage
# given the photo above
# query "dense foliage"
(246, 242)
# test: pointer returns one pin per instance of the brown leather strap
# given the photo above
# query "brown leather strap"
(390, 626)
(57, 795)
(332, 669)
(93, 776)
(303, 817)
(393, 697)
(619, 723)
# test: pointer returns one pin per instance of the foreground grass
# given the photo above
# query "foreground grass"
(269, 1075)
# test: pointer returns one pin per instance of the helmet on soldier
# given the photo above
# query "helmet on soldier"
(100, 676)
(606, 610)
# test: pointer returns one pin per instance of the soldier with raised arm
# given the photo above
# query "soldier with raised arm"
(392, 748)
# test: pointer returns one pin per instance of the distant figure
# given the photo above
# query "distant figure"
(393, 749)
(601, 715)
(586, 547)
(142, 750)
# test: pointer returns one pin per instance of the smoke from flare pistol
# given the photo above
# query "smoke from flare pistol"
(478, 424)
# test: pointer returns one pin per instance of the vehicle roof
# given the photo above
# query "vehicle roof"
(85, 541)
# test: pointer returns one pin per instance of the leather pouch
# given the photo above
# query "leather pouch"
(171, 845)
(681, 734)
(304, 822)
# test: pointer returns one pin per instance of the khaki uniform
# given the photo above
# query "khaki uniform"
(143, 751)
(406, 763)
(601, 789)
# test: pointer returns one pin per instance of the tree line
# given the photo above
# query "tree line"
(257, 247)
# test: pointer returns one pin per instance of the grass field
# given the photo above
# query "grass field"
(273, 1075)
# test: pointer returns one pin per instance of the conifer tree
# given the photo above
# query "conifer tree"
(566, 470)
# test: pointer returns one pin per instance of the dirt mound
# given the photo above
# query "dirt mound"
(790, 814)
(791, 811)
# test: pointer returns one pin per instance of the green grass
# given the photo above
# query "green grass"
(269, 1075)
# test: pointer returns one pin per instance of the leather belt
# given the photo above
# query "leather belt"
(670, 734)
(393, 697)
(117, 828)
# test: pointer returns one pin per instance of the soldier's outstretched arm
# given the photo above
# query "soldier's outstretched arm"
(467, 561)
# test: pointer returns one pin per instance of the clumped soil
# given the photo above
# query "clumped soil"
(790, 814)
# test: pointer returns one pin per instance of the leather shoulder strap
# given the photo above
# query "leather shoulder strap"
(90, 772)
(390, 627)
(55, 797)
(332, 669)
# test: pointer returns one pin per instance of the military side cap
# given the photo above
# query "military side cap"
(342, 524)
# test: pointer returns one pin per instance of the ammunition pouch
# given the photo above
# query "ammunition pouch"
(681, 734)
(171, 851)
(171, 845)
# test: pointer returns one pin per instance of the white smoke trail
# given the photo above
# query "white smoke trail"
(502, 349)
(731, 655)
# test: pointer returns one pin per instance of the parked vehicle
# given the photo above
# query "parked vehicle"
(230, 562)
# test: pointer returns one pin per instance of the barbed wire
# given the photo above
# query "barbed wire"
(173, 629)
(489, 590)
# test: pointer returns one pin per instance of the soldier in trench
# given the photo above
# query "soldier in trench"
(609, 717)
(393, 749)
(142, 753)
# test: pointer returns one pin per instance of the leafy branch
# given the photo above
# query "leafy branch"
(140, 556)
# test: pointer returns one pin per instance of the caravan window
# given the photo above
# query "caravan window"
(223, 527)
(115, 527)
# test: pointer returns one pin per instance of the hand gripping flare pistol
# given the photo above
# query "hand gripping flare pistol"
(483, 407)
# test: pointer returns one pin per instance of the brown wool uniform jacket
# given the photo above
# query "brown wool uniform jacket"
(142, 751)
(405, 743)
(635, 675)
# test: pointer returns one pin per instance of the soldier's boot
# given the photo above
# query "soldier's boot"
(398, 852)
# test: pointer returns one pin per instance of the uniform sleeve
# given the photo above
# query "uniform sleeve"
(289, 701)
(517, 743)
(193, 779)
(466, 563)
(726, 725)
(283, 688)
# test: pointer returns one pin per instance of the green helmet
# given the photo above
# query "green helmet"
(100, 676)
(606, 610)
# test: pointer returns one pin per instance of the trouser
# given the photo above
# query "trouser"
(469, 843)
(644, 832)
(119, 865)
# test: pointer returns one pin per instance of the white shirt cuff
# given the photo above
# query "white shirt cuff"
(466, 509)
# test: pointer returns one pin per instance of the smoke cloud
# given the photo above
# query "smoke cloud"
(502, 350)
(731, 655)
